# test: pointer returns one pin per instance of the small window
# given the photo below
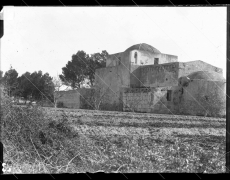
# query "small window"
(135, 56)
(169, 95)
(156, 60)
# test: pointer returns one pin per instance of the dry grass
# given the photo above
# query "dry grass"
(37, 143)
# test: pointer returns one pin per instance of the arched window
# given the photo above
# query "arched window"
(135, 56)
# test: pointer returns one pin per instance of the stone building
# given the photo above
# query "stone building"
(142, 79)
(77, 99)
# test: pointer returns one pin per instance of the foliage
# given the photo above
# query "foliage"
(35, 86)
(10, 81)
(34, 143)
(81, 68)
(96, 61)
(1, 76)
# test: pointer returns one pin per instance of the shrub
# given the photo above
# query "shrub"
(30, 139)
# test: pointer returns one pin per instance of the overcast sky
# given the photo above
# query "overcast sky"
(45, 38)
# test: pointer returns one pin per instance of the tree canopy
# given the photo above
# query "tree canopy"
(10, 80)
(1, 76)
(81, 69)
(35, 86)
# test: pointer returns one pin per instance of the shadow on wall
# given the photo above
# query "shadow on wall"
(135, 75)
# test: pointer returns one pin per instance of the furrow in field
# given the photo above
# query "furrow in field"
(153, 132)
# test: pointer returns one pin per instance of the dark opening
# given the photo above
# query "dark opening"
(169, 95)
(135, 56)
(156, 60)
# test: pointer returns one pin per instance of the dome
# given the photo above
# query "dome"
(144, 47)
(206, 75)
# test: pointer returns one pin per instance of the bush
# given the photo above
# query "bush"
(31, 140)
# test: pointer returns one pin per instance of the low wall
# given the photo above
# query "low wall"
(70, 99)
(153, 100)
(80, 98)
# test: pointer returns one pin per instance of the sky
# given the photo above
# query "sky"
(45, 38)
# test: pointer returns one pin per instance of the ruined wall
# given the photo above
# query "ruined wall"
(187, 68)
(152, 100)
(159, 75)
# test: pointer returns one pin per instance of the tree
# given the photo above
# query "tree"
(25, 87)
(36, 86)
(73, 74)
(82, 68)
(10, 81)
(1, 76)
(99, 96)
(45, 87)
(96, 61)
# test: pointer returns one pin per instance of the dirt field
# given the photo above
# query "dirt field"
(175, 143)
(141, 124)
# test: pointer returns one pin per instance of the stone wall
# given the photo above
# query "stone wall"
(108, 83)
(70, 99)
(80, 98)
(159, 75)
(152, 100)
